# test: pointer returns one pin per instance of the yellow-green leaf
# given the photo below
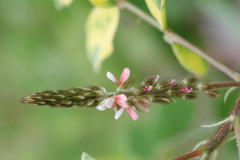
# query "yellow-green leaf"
(190, 60)
(101, 28)
(86, 156)
(62, 3)
(103, 3)
(158, 10)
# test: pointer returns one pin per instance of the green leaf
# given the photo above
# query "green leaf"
(158, 10)
(62, 3)
(86, 156)
(101, 28)
(190, 60)
(103, 3)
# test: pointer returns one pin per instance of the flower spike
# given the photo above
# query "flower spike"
(125, 97)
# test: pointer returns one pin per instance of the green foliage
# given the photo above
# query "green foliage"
(86, 156)
(190, 60)
(62, 3)
(103, 3)
(158, 10)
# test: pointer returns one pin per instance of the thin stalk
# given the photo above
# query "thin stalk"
(237, 133)
(218, 137)
(138, 12)
(236, 124)
(193, 154)
(222, 85)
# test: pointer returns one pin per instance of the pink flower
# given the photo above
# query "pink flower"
(121, 102)
(147, 88)
(124, 76)
(172, 82)
(186, 90)
(107, 103)
(119, 105)
(118, 102)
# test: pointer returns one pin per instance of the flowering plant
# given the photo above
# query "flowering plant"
(101, 27)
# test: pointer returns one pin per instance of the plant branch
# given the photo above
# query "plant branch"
(236, 125)
(193, 154)
(175, 38)
(237, 133)
(138, 12)
(218, 138)
(222, 85)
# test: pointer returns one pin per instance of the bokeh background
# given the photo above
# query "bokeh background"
(44, 48)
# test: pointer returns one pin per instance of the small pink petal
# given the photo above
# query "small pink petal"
(121, 100)
(147, 88)
(186, 90)
(119, 113)
(111, 77)
(101, 107)
(132, 113)
(172, 82)
(106, 104)
(109, 103)
(121, 97)
(124, 76)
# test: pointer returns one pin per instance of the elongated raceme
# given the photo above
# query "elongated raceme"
(126, 97)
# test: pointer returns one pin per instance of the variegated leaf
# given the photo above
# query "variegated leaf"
(101, 28)
(158, 10)
(62, 3)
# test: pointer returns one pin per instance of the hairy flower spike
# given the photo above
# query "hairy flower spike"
(125, 97)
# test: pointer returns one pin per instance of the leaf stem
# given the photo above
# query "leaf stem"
(138, 12)
(173, 37)
(222, 85)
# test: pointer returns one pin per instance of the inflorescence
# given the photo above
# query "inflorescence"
(126, 97)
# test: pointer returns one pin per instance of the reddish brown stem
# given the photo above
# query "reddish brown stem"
(216, 140)
(237, 134)
(189, 155)
(236, 112)
(222, 85)
(236, 108)
(218, 137)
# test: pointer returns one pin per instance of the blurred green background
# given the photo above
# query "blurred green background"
(44, 48)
